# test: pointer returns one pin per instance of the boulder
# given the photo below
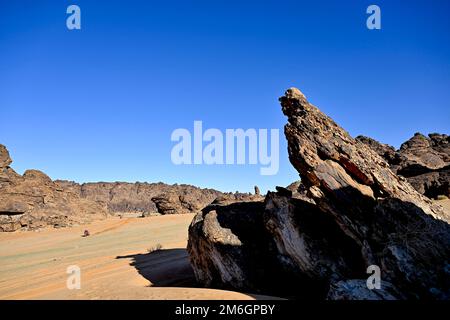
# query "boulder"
(229, 248)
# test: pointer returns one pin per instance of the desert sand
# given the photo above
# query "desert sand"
(114, 260)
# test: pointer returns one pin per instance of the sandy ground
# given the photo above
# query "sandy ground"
(114, 262)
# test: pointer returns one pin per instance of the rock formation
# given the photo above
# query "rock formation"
(423, 161)
(228, 198)
(33, 200)
(317, 238)
(144, 198)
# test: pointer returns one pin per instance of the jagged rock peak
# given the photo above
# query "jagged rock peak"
(295, 93)
(327, 157)
(5, 159)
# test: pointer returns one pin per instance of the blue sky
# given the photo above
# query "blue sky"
(100, 103)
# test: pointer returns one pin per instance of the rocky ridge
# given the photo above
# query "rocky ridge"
(32, 200)
(423, 161)
(143, 198)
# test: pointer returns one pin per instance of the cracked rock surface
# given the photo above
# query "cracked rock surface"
(423, 161)
(317, 238)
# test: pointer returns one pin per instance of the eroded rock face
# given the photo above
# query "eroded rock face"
(144, 198)
(5, 159)
(229, 248)
(432, 152)
(350, 211)
(357, 290)
(229, 198)
(386, 151)
(377, 209)
(33, 200)
(424, 161)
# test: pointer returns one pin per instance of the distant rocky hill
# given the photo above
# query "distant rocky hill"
(423, 161)
(33, 200)
(151, 198)
(323, 238)
(143, 198)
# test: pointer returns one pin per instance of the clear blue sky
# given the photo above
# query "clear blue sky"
(100, 104)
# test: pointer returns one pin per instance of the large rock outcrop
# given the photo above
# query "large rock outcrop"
(317, 238)
(33, 200)
(423, 161)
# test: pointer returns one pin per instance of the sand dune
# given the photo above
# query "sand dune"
(114, 261)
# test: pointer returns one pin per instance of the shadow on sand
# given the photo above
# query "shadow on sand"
(164, 268)
(170, 268)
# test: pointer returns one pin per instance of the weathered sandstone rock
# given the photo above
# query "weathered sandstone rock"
(423, 161)
(350, 211)
(33, 200)
(144, 198)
